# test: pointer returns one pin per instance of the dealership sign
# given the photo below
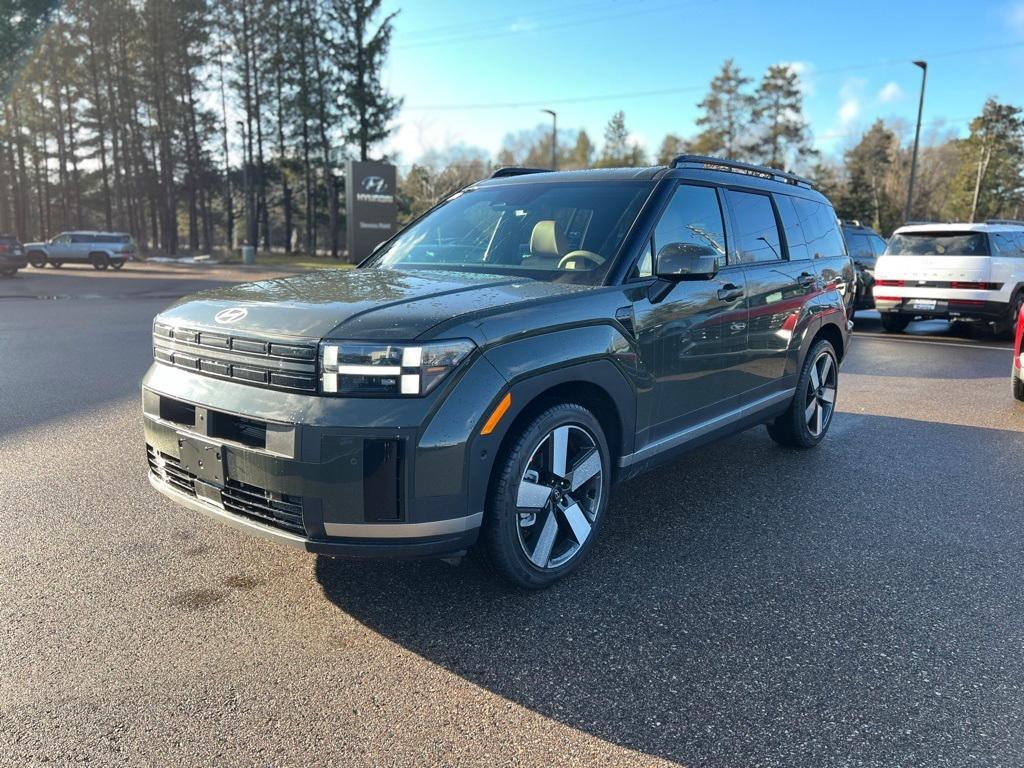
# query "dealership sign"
(372, 208)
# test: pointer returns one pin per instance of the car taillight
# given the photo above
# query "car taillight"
(975, 286)
(888, 298)
(3, 249)
(890, 283)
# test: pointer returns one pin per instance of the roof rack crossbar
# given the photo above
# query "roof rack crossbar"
(734, 166)
(515, 170)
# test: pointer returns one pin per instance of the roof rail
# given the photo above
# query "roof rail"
(852, 222)
(515, 170)
(1004, 221)
(747, 169)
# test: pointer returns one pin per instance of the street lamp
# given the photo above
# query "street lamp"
(554, 138)
(917, 138)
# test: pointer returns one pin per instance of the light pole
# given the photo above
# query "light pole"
(917, 138)
(554, 138)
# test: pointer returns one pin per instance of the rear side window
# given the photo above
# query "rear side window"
(859, 246)
(1008, 244)
(877, 244)
(693, 216)
(754, 227)
(795, 243)
(821, 228)
(939, 244)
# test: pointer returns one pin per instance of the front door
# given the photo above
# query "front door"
(695, 336)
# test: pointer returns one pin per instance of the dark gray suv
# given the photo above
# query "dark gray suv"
(491, 370)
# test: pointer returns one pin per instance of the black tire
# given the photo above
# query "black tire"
(56, 264)
(1018, 385)
(99, 260)
(37, 259)
(894, 323)
(507, 528)
(793, 429)
(1005, 328)
(117, 263)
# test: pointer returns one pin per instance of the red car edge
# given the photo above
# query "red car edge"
(1016, 373)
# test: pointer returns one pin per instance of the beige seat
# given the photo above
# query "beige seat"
(547, 245)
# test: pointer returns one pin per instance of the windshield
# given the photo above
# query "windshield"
(939, 244)
(567, 232)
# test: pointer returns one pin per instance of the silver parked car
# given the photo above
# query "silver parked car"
(101, 249)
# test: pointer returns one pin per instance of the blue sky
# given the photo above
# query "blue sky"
(854, 57)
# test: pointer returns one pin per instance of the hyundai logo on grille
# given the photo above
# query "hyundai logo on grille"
(232, 315)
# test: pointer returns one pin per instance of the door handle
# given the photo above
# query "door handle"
(806, 279)
(730, 292)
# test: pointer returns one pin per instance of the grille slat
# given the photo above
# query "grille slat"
(288, 366)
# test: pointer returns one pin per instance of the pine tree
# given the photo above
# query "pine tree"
(869, 194)
(671, 147)
(727, 112)
(989, 181)
(360, 54)
(782, 135)
(618, 150)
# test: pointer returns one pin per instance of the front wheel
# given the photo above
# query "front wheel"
(549, 497)
(100, 261)
(117, 264)
(37, 259)
(805, 423)
(894, 323)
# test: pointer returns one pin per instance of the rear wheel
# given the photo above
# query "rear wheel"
(100, 260)
(805, 423)
(37, 259)
(117, 263)
(894, 323)
(548, 498)
(1005, 328)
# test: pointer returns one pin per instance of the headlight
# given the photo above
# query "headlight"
(357, 368)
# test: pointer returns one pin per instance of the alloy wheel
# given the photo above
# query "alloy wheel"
(820, 402)
(559, 496)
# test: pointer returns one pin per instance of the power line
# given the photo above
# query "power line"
(574, 22)
(692, 88)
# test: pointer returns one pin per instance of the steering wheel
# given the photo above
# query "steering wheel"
(574, 256)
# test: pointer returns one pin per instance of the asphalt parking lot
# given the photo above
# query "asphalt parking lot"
(857, 605)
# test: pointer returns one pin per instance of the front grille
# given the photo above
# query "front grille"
(169, 469)
(279, 510)
(286, 365)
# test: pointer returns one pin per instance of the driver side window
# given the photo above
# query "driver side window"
(694, 217)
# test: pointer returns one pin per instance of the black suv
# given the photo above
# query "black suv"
(490, 371)
(864, 246)
(12, 256)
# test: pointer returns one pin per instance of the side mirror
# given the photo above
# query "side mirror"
(686, 261)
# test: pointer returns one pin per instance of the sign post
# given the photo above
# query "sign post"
(372, 210)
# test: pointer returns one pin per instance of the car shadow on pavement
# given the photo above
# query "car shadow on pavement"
(752, 605)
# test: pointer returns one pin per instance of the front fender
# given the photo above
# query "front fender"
(453, 457)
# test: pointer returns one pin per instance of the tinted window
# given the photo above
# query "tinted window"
(693, 216)
(754, 227)
(821, 228)
(859, 246)
(645, 267)
(939, 244)
(791, 226)
(527, 227)
(1007, 244)
(877, 244)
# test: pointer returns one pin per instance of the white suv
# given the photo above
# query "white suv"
(953, 272)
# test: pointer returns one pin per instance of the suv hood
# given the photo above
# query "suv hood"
(378, 304)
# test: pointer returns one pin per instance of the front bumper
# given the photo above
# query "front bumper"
(294, 468)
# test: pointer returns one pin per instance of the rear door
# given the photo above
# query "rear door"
(779, 277)
(694, 338)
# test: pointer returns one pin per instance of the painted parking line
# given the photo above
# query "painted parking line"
(932, 342)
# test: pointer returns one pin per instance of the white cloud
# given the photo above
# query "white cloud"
(523, 24)
(890, 92)
(850, 97)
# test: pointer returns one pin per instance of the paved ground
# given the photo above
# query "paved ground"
(858, 605)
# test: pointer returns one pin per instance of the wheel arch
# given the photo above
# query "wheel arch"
(831, 333)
